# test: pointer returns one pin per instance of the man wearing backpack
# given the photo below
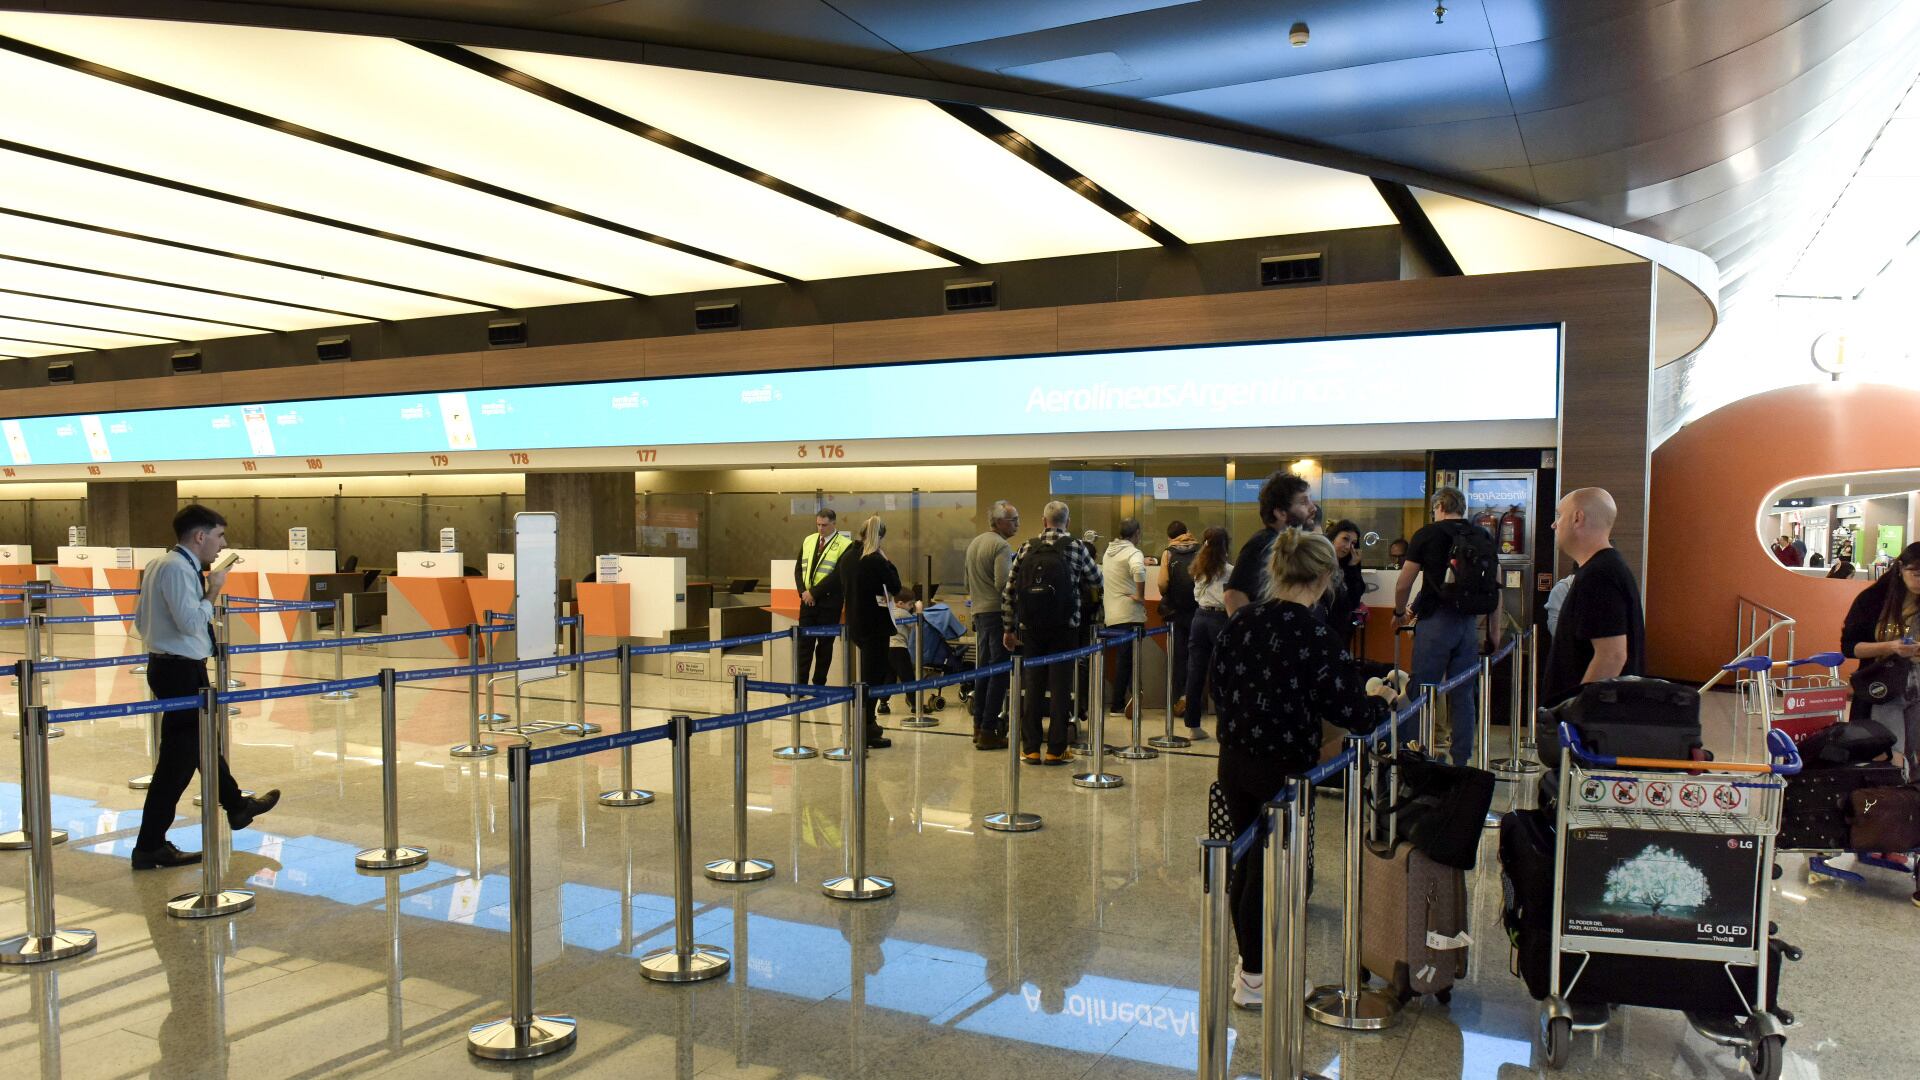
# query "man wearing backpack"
(1049, 595)
(1460, 582)
(1177, 603)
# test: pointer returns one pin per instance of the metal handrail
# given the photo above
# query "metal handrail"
(1762, 638)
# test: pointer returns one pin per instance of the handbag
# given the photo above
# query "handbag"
(1443, 808)
(1884, 819)
(1882, 680)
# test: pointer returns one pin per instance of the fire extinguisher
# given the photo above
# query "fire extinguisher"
(1513, 532)
(1488, 520)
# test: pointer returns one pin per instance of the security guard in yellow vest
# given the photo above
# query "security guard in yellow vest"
(820, 592)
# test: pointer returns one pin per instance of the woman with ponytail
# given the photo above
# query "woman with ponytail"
(872, 581)
(1278, 672)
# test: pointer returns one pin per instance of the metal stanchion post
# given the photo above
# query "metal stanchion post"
(30, 691)
(740, 867)
(1168, 740)
(580, 681)
(1079, 744)
(1299, 857)
(342, 620)
(391, 854)
(848, 713)
(1429, 706)
(43, 940)
(796, 750)
(521, 1034)
(1349, 1005)
(1533, 693)
(222, 674)
(1215, 932)
(857, 884)
(915, 717)
(1011, 819)
(626, 794)
(684, 961)
(473, 747)
(1135, 750)
(1277, 1016)
(212, 899)
(1097, 776)
(1516, 763)
(1484, 730)
(21, 839)
(145, 781)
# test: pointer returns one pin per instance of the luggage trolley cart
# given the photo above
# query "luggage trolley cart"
(1799, 704)
(1667, 864)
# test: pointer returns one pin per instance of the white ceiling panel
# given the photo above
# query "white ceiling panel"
(54, 333)
(84, 195)
(28, 238)
(1487, 240)
(11, 347)
(466, 122)
(97, 288)
(104, 122)
(900, 160)
(1202, 192)
(166, 326)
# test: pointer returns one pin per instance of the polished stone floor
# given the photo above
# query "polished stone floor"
(1069, 952)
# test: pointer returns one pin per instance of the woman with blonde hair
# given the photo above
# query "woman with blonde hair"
(1278, 672)
(871, 582)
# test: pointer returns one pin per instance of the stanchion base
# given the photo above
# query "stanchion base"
(1082, 746)
(17, 839)
(737, 870)
(236, 684)
(195, 906)
(704, 962)
(631, 797)
(504, 1040)
(583, 730)
(866, 888)
(1007, 821)
(1492, 821)
(795, 753)
(141, 783)
(390, 858)
(27, 949)
(340, 695)
(233, 710)
(1136, 753)
(1098, 780)
(1367, 1010)
(1170, 742)
(1517, 766)
(839, 753)
(137, 669)
(919, 722)
(494, 718)
(474, 750)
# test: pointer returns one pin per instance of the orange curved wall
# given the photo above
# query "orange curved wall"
(1704, 550)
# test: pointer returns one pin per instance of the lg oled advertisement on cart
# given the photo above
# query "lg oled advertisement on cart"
(1678, 888)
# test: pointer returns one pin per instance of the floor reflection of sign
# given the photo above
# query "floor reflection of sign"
(1643, 885)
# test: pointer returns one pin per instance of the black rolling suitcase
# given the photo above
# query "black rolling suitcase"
(1627, 717)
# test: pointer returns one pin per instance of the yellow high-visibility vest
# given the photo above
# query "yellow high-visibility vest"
(814, 575)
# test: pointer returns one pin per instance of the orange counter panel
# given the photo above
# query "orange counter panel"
(443, 603)
(606, 608)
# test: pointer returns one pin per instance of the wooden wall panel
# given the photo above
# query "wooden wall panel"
(947, 337)
(285, 384)
(740, 350)
(177, 391)
(413, 374)
(586, 362)
(56, 400)
(1187, 320)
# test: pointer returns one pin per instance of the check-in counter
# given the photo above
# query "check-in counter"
(427, 592)
(643, 600)
(1377, 644)
(16, 568)
(97, 567)
(783, 613)
(272, 574)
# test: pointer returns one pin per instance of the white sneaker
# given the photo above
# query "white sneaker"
(1248, 989)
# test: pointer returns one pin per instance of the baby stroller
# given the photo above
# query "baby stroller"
(938, 654)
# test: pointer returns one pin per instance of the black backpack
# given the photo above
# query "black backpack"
(1044, 591)
(1177, 597)
(1472, 582)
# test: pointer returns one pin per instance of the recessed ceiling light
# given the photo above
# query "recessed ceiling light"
(1297, 37)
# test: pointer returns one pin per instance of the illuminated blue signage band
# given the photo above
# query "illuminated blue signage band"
(1473, 375)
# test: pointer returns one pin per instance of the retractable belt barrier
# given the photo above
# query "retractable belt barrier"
(286, 646)
(124, 708)
(63, 592)
(10, 623)
(91, 662)
(55, 620)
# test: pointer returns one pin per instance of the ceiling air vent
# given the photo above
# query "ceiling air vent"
(333, 348)
(1291, 269)
(717, 315)
(60, 371)
(186, 361)
(972, 296)
(506, 333)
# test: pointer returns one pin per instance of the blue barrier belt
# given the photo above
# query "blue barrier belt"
(1165, 628)
(60, 592)
(284, 646)
(541, 755)
(564, 660)
(128, 708)
(12, 622)
(1061, 657)
(95, 662)
(706, 646)
(819, 631)
(771, 712)
(64, 619)
(276, 693)
(955, 679)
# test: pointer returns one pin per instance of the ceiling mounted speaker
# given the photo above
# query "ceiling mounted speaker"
(717, 315)
(972, 296)
(506, 333)
(1291, 269)
(334, 348)
(60, 371)
(186, 361)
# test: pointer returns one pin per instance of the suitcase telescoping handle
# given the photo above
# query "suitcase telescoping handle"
(1786, 759)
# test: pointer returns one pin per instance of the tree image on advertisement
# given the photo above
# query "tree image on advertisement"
(1656, 878)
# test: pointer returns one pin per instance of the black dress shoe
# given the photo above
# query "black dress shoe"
(242, 817)
(163, 856)
(878, 742)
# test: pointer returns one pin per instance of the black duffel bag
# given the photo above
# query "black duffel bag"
(1627, 717)
(1851, 743)
(1442, 808)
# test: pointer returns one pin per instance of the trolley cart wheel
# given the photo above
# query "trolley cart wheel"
(936, 703)
(1556, 1041)
(1444, 997)
(1767, 1057)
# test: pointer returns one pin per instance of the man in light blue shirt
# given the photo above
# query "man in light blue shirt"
(175, 619)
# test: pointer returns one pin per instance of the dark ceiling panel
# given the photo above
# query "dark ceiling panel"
(921, 27)
(789, 29)
(1377, 97)
(1515, 22)
(1465, 146)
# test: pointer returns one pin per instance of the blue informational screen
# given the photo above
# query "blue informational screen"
(1388, 486)
(1245, 491)
(1470, 375)
(1082, 482)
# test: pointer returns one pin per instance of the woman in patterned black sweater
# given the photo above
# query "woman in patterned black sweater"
(1278, 671)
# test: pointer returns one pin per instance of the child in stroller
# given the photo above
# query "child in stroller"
(938, 656)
